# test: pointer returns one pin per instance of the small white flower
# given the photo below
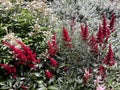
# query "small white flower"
(12, 39)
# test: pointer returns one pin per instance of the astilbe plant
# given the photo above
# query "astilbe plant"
(22, 66)
(25, 71)
(89, 11)
(89, 52)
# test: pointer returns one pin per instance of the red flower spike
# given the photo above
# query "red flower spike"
(104, 29)
(54, 63)
(107, 32)
(9, 69)
(100, 36)
(66, 36)
(93, 44)
(29, 53)
(84, 32)
(102, 71)
(95, 49)
(109, 58)
(48, 74)
(82, 27)
(104, 22)
(25, 55)
(112, 22)
(92, 40)
(87, 75)
(53, 47)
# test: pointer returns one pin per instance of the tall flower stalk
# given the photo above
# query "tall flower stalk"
(109, 58)
(66, 37)
(84, 32)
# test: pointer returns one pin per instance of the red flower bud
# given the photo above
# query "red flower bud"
(66, 36)
(112, 22)
(109, 58)
(84, 32)
(9, 69)
(48, 74)
(102, 71)
(100, 36)
(54, 63)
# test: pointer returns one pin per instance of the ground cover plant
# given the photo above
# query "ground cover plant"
(74, 53)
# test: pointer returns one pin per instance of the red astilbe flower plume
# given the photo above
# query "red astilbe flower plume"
(53, 47)
(54, 63)
(109, 58)
(84, 32)
(9, 69)
(100, 36)
(29, 53)
(24, 55)
(92, 40)
(87, 75)
(112, 22)
(104, 23)
(93, 44)
(66, 38)
(95, 49)
(102, 71)
(107, 32)
(105, 29)
(48, 74)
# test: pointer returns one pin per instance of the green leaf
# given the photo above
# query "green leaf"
(52, 88)
(42, 88)
(40, 82)
(5, 88)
